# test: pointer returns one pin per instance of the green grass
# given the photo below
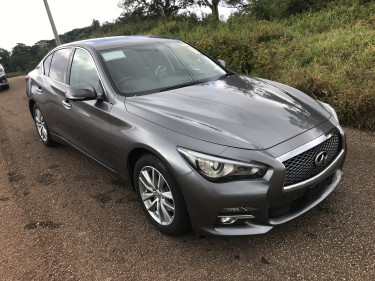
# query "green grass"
(15, 74)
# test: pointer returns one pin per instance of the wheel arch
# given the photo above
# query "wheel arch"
(31, 106)
(137, 152)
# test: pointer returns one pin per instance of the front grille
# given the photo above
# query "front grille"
(302, 166)
(312, 194)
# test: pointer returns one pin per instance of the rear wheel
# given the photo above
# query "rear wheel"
(41, 126)
(160, 196)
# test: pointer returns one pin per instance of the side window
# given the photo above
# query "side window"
(59, 64)
(84, 70)
(46, 64)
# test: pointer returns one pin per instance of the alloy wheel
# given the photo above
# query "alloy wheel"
(41, 125)
(156, 195)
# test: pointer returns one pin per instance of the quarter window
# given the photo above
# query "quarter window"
(59, 64)
(84, 70)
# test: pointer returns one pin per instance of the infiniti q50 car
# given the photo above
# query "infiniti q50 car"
(224, 153)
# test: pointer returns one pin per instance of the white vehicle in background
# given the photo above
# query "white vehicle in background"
(3, 80)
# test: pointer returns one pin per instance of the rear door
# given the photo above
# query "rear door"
(50, 88)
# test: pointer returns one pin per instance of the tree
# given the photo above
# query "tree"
(20, 58)
(4, 55)
(153, 8)
(95, 25)
(214, 5)
(25, 58)
(238, 4)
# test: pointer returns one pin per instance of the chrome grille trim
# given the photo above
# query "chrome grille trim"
(330, 168)
(304, 147)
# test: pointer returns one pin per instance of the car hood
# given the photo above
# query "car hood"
(238, 111)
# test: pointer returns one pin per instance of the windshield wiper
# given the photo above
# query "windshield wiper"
(179, 86)
(226, 75)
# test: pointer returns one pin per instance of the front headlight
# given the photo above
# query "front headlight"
(215, 168)
(330, 109)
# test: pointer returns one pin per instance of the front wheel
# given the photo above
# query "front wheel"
(160, 196)
(41, 126)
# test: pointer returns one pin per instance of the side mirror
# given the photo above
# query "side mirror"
(222, 62)
(81, 91)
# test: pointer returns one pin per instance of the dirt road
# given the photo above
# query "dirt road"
(65, 217)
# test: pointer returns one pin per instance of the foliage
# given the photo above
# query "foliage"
(238, 4)
(4, 55)
(15, 74)
(152, 9)
(278, 9)
(329, 54)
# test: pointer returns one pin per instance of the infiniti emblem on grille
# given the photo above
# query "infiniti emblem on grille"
(321, 158)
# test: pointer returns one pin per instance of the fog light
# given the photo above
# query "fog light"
(235, 214)
(227, 220)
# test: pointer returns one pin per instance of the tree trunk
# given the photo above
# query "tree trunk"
(214, 6)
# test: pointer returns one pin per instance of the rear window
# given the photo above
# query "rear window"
(59, 64)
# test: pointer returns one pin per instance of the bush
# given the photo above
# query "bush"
(15, 74)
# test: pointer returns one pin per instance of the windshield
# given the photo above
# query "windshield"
(152, 68)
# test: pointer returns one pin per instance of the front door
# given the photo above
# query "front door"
(86, 123)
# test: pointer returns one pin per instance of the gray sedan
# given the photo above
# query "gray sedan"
(203, 147)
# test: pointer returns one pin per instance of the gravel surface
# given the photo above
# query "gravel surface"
(65, 217)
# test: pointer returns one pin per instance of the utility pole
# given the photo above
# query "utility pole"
(57, 38)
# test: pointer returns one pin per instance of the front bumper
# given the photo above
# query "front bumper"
(3, 81)
(263, 202)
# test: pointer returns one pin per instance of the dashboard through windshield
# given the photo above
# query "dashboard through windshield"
(144, 69)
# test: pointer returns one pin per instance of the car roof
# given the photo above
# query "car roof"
(121, 41)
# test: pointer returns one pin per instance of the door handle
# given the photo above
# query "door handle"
(66, 104)
(39, 89)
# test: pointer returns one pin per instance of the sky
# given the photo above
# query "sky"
(26, 21)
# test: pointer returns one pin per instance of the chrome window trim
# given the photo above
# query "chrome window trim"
(330, 168)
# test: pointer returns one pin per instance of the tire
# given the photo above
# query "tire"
(41, 126)
(6, 87)
(160, 196)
